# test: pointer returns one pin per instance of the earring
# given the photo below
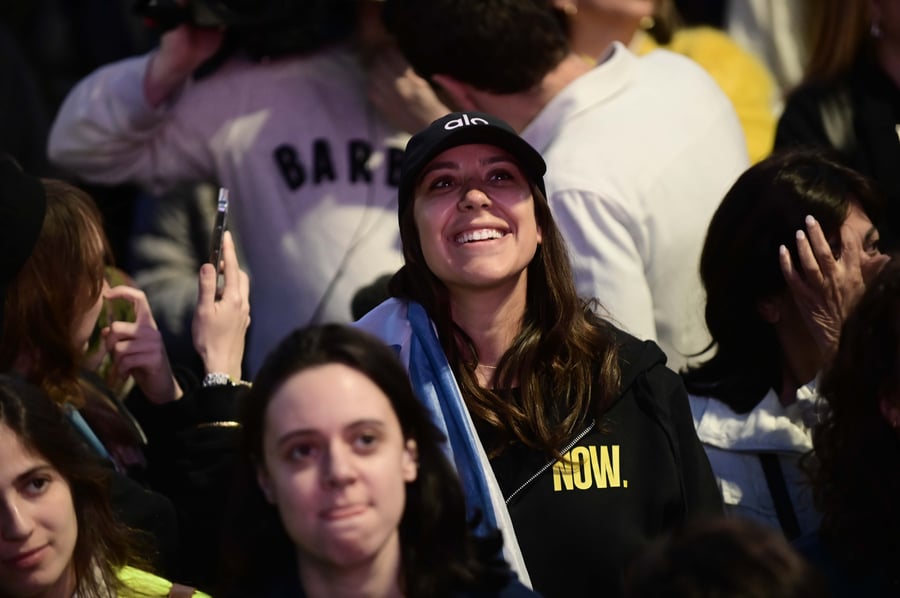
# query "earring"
(875, 29)
(647, 23)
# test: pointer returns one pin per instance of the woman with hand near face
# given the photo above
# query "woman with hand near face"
(570, 435)
(788, 252)
(365, 502)
(52, 290)
(58, 535)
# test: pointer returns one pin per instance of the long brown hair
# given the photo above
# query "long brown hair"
(58, 283)
(838, 33)
(103, 545)
(564, 357)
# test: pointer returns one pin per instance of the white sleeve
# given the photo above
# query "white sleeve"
(106, 132)
(607, 248)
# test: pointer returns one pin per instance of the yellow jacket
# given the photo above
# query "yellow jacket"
(146, 585)
(742, 76)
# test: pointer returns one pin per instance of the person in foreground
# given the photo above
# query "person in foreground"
(367, 504)
(723, 556)
(585, 430)
(856, 476)
(775, 317)
(58, 534)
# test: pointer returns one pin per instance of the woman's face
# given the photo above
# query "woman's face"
(84, 326)
(857, 226)
(623, 8)
(336, 466)
(474, 213)
(38, 525)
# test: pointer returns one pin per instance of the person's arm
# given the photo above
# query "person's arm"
(403, 98)
(607, 263)
(181, 51)
(117, 124)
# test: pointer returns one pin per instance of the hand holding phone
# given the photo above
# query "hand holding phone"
(215, 256)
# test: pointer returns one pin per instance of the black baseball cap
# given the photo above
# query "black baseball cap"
(463, 128)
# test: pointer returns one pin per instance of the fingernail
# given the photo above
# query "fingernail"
(810, 220)
(800, 235)
(782, 249)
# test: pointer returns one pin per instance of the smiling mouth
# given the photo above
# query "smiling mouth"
(26, 560)
(484, 234)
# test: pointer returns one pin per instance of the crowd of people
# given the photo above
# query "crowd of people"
(541, 297)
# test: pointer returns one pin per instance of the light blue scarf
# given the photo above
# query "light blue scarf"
(436, 387)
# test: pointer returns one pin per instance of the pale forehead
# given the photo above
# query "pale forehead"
(327, 396)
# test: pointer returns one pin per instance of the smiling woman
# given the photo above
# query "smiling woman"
(563, 428)
(347, 490)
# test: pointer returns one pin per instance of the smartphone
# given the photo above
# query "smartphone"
(218, 233)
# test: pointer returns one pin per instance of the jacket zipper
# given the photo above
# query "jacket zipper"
(547, 465)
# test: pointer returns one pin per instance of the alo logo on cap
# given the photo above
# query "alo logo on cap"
(464, 121)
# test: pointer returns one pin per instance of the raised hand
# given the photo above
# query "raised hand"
(137, 349)
(220, 326)
(180, 52)
(826, 288)
(403, 98)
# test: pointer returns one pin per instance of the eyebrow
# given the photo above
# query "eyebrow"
(34, 470)
(312, 432)
(455, 166)
(870, 233)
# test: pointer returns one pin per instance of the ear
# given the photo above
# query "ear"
(265, 484)
(410, 461)
(890, 412)
(769, 309)
(456, 91)
(540, 235)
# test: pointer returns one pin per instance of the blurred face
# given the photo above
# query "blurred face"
(635, 9)
(81, 331)
(632, 10)
(858, 226)
(38, 526)
(474, 212)
(336, 467)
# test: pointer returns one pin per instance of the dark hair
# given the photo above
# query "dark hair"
(435, 505)
(103, 545)
(554, 358)
(500, 46)
(722, 556)
(58, 282)
(739, 264)
(855, 481)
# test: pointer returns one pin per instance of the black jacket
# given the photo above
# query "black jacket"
(856, 115)
(636, 473)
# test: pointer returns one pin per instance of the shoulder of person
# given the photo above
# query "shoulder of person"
(145, 584)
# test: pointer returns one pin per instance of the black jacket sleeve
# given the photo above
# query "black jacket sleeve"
(191, 453)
